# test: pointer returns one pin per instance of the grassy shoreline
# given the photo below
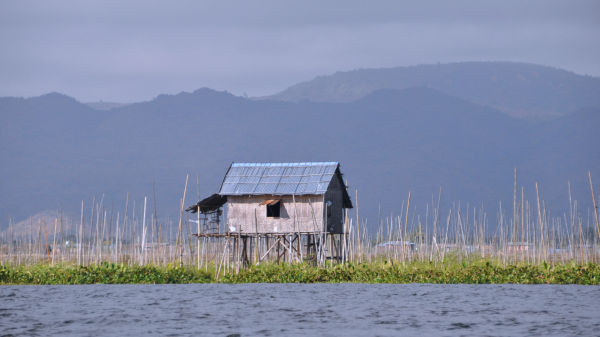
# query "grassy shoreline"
(479, 272)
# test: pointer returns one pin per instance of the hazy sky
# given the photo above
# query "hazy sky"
(134, 50)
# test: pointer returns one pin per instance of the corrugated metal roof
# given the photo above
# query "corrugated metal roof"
(278, 178)
(212, 203)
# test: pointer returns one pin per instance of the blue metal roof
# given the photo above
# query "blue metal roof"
(278, 178)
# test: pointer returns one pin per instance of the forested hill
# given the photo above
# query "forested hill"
(519, 89)
(56, 151)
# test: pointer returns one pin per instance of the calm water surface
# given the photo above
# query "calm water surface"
(294, 309)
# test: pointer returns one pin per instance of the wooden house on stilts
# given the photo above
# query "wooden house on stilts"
(280, 211)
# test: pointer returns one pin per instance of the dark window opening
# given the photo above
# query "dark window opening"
(274, 210)
(329, 204)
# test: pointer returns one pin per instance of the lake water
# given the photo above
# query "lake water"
(296, 309)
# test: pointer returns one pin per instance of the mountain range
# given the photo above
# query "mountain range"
(519, 89)
(458, 127)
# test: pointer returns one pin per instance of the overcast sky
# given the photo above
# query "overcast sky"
(128, 51)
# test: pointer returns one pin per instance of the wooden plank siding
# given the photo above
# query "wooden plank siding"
(334, 222)
(245, 214)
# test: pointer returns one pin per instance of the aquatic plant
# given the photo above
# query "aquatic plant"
(482, 272)
(477, 272)
(105, 273)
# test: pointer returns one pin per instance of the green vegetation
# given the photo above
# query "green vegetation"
(478, 273)
(106, 273)
(475, 272)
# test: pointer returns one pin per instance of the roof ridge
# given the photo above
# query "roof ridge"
(289, 164)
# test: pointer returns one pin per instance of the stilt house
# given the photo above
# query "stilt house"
(278, 208)
(265, 198)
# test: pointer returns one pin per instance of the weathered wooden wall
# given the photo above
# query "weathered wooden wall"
(245, 214)
(335, 216)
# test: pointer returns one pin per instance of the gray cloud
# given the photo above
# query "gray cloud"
(127, 51)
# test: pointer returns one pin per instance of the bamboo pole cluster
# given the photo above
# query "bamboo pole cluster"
(528, 233)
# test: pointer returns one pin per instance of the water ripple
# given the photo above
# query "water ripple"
(299, 310)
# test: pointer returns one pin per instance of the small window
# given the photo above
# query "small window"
(329, 205)
(274, 209)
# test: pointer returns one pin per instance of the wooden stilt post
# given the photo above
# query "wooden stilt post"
(239, 238)
(278, 248)
(267, 243)
(308, 244)
(298, 247)
(245, 252)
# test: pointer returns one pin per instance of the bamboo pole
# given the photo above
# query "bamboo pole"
(523, 221)
(125, 222)
(596, 219)
(358, 228)
(180, 228)
(117, 241)
(198, 237)
(80, 237)
(143, 243)
(540, 220)
(514, 234)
